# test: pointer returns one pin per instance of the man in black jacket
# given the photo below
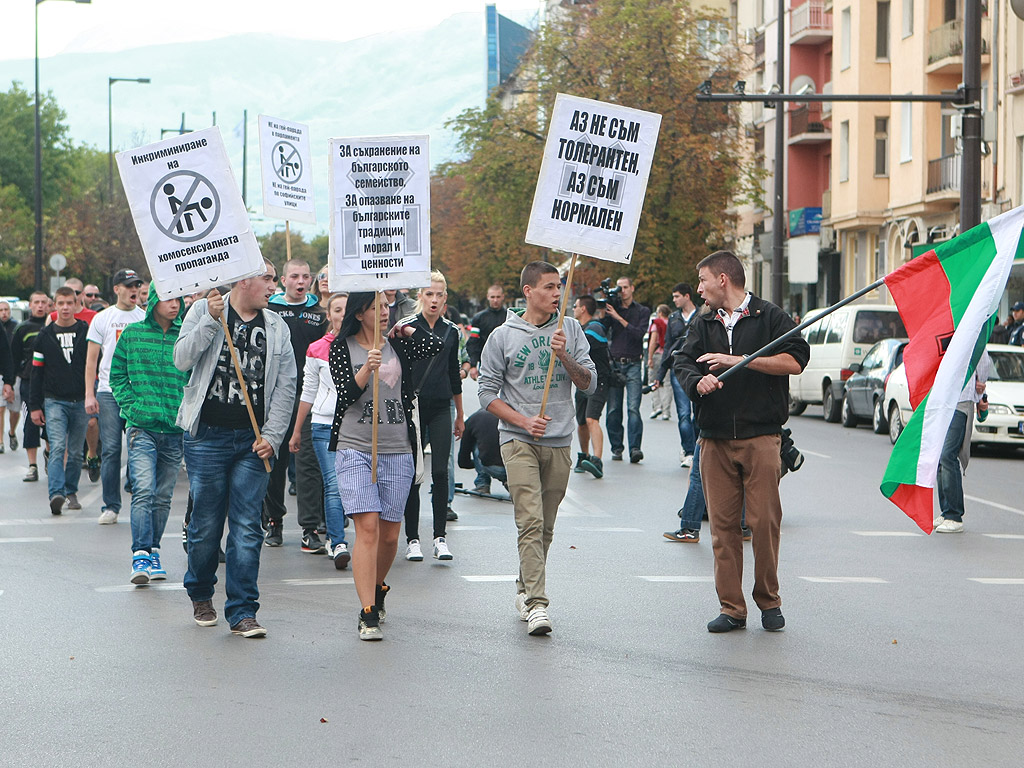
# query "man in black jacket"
(481, 325)
(678, 324)
(740, 423)
(22, 344)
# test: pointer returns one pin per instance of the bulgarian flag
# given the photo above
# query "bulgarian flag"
(947, 299)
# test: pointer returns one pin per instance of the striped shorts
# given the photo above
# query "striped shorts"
(359, 494)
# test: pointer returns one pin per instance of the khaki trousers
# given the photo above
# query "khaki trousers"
(734, 471)
(537, 478)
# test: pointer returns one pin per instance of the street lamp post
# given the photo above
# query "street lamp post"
(110, 127)
(39, 163)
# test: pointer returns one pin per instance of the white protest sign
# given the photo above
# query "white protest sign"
(287, 170)
(593, 178)
(380, 213)
(189, 214)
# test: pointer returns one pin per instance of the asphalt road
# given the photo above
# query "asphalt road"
(900, 649)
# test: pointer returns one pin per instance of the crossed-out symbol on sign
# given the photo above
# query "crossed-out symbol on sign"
(185, 206)
(286, 161)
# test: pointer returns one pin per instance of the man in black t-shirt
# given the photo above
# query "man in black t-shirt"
(306, 322)
(22, 344)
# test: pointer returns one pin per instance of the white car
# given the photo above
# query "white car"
(1005, 422)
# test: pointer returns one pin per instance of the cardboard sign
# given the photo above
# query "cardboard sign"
(593, 178)
(380, 213)
(189, 214)
(287, 170)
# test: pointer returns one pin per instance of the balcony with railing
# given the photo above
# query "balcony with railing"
(810, 23)
(1015, 83)
(826, 106)
(759, 50)
(944, 175)
(807, 126)
(946, 46)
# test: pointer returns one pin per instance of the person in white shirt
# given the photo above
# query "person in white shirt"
(104, 331)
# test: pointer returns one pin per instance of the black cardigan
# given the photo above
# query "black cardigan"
(420, 345)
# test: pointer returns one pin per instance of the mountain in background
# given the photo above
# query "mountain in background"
(402, 82)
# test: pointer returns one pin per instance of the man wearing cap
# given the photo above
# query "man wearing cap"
(104, 331)
(1017, 326)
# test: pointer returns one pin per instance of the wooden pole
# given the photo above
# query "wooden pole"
(561, 319)
(376, 390)
(241, 379)
(288, 239)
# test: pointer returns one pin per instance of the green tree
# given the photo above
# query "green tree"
(646, 54)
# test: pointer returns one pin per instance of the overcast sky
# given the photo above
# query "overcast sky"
(113, 25)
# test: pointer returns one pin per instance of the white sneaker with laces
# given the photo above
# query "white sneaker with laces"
(108, 517)
(441, 549)
(521, 609)
(949, 526)
(413, 551)
(539, 623)
(686, 461)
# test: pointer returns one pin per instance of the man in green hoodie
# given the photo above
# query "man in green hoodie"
(148, 389)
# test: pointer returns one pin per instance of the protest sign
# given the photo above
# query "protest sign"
(380, 213)
(287, 170)
(593, 178)
(189, 214)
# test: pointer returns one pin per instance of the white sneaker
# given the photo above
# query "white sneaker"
(521, 609)
(949, 526)
(686, 461)
(413, 551)
(441, 549)
(539, 623)
(108, 517)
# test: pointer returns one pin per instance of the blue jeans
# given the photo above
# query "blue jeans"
(154, 459)
(66, 421)
(687, 433)
(488, 470)
(334, 512)
(111, 429)
(694, 506)
(226, 479)
(950, 478)
(613, 416)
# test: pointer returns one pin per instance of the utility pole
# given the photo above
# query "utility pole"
(970, 115)
(779, 211)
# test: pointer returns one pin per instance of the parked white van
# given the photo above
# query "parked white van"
(837, 341)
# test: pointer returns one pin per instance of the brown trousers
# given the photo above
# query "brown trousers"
(734, 471)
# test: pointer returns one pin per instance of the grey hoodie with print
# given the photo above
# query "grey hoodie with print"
(513, 367)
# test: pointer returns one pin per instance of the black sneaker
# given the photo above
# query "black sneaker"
(313, 544)
(248, 627)
(636, 456)
(378, 602)
(13, 439)
(683, 534)
(291, 489)
(726, 623)
(56, 504)
(273, 537)
(617, 455)
(92, 463)
(747, 535)
(594, 466)
(450, 515)
(369, 624)
(580, 458)
(772, 619)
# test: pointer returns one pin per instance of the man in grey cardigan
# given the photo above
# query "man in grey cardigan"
(535, 448)
(224, 459)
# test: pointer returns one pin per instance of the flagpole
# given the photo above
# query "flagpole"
(288, 239)
(775, 342)
(376, 391)
(561, 319)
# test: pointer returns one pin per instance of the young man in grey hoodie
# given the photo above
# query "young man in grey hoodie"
(535, 448)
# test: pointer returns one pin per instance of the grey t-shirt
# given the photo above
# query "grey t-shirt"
(357, 425)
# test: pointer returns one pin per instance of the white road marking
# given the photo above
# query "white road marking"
(844, 579)
(611, 530)
(142, 587)
(25, 539)
(988, 503)
(678, 579)
(473, 527)
(317, 582)
(886, 533)
(1004, 535)
(52, 520)
(576, 505)
(998, 581)
(813, 453)
(490, 578)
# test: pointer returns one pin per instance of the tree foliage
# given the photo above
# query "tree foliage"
(647, 54)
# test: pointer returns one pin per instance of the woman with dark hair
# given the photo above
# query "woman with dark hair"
(439, 383)
(375, 508)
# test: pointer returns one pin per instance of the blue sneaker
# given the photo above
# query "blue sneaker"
(141, 563)
(156, 571)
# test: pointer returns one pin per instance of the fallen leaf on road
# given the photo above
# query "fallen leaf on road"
(322, 720)
(894, 642)
(571, 547)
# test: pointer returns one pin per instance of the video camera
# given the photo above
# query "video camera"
(612, 294)
(791, 457)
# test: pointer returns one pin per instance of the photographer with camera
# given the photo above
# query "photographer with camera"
(626, 321)
(740, 424)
